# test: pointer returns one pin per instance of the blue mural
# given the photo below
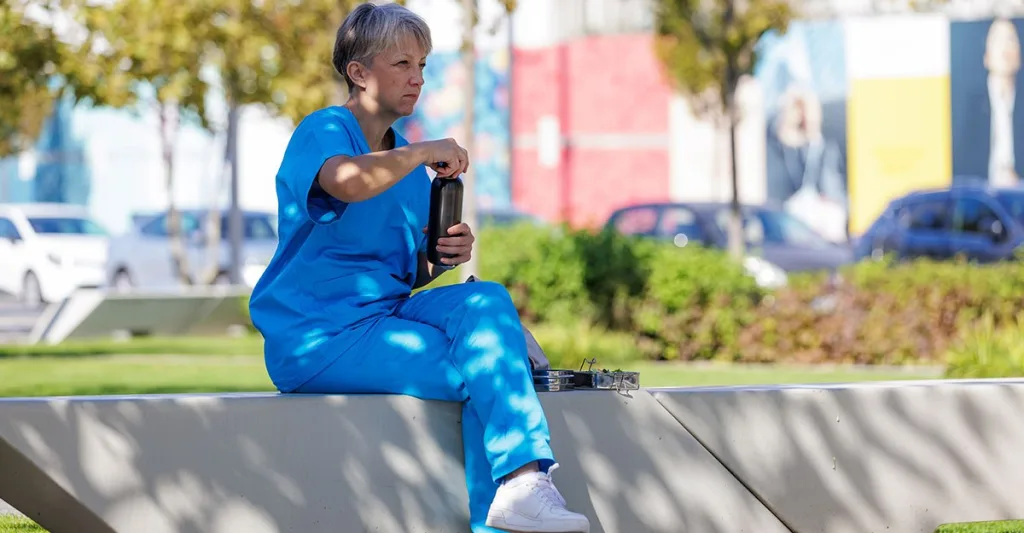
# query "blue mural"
(439, 114)
(60, 174)
(803, 77)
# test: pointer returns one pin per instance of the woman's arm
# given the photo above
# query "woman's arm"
(354, 179)
(427, 272)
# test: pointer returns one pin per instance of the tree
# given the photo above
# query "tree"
(147, 53)
(29, 56)
(707, 46)
(259, 53)
(471, 10)
(270, 53)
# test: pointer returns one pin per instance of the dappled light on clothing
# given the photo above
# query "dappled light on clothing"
(410, 340)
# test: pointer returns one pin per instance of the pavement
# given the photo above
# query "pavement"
(16, 321)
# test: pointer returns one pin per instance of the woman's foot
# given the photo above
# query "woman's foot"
(530, 503)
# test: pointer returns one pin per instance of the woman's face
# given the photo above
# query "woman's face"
(395, 78)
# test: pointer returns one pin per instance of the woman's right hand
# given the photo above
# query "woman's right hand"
(445, 157)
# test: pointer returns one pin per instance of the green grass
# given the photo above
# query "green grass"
(155, 373)
(16, 524)
(1010, 526)
(245, 345)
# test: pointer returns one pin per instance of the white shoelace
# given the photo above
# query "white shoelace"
(546, 487)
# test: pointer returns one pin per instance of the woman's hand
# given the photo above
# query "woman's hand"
(445, 157)
(458, 243)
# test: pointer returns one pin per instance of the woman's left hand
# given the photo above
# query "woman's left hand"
(458, 243)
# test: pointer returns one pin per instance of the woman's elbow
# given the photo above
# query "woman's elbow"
(342, 183)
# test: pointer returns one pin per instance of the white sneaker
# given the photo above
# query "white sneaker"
(530, 503)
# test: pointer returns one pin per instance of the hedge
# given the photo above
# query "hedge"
(697, 304)
(620, 298)
(987, 351)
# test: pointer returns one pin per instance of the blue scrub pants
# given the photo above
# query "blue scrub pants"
(461, 343)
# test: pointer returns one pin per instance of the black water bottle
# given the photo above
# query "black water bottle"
(445, 212)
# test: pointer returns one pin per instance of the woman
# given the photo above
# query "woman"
(334, 304)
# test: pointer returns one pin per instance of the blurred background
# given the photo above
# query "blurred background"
(869, 150)
(708, 192)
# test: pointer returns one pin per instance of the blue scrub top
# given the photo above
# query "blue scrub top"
(337, 266)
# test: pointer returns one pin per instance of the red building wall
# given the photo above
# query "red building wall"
(612, 103)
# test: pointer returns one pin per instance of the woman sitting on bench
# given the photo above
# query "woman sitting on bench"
(335, 307)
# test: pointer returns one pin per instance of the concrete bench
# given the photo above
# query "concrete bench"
(901, 457)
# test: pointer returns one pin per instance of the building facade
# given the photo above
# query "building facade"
(860, 101)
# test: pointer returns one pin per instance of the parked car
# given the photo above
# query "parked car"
(977, 222)
(49, 250)
(506, 216)
(777, 242)
(142, 257)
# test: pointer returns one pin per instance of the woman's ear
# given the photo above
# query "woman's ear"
(357, 73)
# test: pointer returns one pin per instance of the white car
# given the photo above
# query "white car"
(141, 258)
(47, 251)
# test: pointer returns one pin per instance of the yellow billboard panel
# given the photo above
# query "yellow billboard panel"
(898, 141)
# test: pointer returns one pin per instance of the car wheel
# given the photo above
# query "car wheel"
(122, 282)
(31, 292)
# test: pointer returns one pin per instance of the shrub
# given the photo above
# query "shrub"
(617, 298)
(687, 303)
(892, 313)
(567, 346)
(696, 303)
(987, 351)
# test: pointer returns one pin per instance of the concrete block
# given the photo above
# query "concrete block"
(256, 463)
(631, 468)
(265, 463)
(97, 313)
(869, 457)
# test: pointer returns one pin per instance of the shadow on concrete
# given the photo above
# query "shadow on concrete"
(896, 456)
(246, 463)
(630, 467)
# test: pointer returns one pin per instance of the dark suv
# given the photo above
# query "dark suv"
(976, 222)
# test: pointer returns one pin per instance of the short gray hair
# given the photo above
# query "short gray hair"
(370, 29)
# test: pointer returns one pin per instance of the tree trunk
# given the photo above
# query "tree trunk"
(736, 241)
(168, 138)
(235, 233)
(214, 228)
(469, 204)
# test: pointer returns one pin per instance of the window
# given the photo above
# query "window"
(65, 226)
(637, 221)
(773, 227)
(677, 221)
(7, 230)
(157, 226)
(974, 216)
(254, 227)
(927, 215)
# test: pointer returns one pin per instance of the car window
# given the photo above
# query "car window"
(254, 227)
(8, 230)
(927, 215)
(65, 226)
(973, 216)
(157, 226)
(676, 221)
(765, 226)
(636, 221)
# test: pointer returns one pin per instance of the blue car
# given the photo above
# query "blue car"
(979, 223)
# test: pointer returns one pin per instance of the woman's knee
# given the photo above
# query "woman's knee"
(488, 295)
